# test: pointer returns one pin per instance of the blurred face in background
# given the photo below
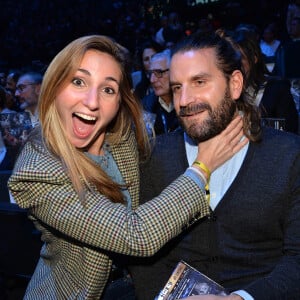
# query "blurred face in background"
(28, 92)
(2, 79)
(147, 54)
(10, 82)
(159, 77)
(295, 28)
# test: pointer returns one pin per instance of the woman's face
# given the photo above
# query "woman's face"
(90, 101)
(147, 54)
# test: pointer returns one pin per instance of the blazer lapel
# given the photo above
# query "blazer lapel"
(126, 157)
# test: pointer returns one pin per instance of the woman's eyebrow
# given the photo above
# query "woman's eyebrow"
(109, 78)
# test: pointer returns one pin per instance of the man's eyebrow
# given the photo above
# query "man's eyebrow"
(201, 75)
(195, 77)
(172, 83)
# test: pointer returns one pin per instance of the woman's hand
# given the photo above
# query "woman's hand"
(215, 151)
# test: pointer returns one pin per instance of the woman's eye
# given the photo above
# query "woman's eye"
(78, 82)
(109, 90)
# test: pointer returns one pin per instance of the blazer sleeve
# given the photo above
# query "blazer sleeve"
(40, 184)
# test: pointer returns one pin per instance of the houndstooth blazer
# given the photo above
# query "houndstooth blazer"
(74, 260)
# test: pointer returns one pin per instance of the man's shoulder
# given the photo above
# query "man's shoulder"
(280, 140)
(150, 101)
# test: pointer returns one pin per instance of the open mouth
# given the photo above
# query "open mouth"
(83, 124)
(85, 118)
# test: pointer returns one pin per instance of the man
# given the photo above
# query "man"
(160, 102)
(28, 90)
(250, 243)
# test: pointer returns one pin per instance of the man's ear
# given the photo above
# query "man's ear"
(236, 84)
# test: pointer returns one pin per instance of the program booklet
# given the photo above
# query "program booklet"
(187, 281)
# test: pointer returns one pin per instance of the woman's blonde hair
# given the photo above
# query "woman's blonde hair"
(82, 171)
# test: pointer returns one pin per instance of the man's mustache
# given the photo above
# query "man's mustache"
(193, 109)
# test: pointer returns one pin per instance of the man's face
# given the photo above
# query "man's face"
(28, 92)
(160, 85)
(295, 29)
(203, 99)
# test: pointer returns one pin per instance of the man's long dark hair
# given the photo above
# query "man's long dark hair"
(227, 61)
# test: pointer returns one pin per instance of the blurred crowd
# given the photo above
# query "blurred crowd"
(33, 31)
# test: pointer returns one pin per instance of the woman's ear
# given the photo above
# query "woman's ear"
(236, 84)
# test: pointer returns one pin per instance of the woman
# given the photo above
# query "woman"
(80, 181)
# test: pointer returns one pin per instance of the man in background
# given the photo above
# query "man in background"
(160, 102)
(28, 90)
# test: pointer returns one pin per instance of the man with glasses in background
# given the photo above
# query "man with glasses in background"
(28, 90)
(160, 102)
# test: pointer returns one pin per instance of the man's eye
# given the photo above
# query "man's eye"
(200, 82)
(175, 88)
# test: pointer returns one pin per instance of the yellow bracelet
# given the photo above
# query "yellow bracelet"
(203, 167)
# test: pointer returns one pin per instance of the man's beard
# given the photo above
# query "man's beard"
(216, 122)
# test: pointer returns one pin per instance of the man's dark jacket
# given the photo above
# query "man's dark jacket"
(252, 239)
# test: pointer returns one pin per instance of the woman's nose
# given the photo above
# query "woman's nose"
(92, 99)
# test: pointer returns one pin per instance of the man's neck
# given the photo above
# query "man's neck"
(167, 99)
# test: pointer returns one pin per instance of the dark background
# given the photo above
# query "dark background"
(33, 31)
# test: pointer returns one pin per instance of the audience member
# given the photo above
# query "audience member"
(11, 83)
(269, 44)
(12, 79)
(141, 82)
(28, 90)
(273, 95)
(159, 37)
(5, 101)
(250, 242)
(294, 31)
(160, 102)
(293, 11)
(287, 56)
(173, 31)
(3, 77)
(78, 176)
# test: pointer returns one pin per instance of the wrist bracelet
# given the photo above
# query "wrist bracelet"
(200, 174)
(203, 167)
